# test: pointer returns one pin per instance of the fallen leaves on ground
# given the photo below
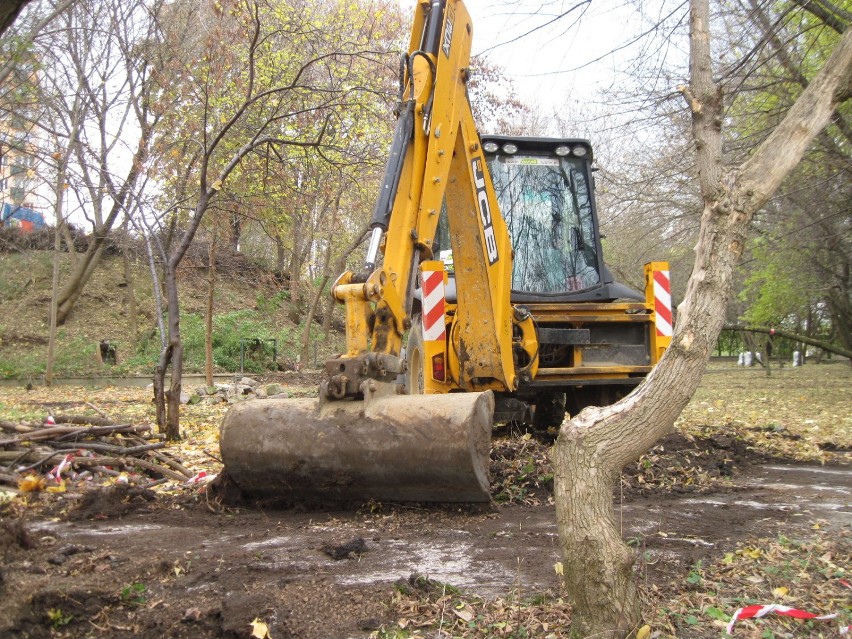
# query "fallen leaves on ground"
(810, 573)
(420, 603)
(521, 472)
(799, 414)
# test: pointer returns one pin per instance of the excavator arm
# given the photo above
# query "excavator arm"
(435, 158)
(362, 438)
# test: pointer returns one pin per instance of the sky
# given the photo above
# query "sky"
(562, 54)
(571, 56)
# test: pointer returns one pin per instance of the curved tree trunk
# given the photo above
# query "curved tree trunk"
(82, 273)
(80, 276)
(585, 517)
(593, 446)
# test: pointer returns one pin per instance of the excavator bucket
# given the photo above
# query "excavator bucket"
(396, 448)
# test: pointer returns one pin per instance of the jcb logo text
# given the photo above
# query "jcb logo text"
(484, 211)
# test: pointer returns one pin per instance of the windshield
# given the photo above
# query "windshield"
(546, 204)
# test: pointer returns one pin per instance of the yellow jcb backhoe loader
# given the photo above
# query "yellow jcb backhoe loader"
(483, 297)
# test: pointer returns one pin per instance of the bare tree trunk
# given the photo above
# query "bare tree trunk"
(295, 271)
(61, 226)
(57, 243)
(840, 309)
(328, 315)
(236, 228)
(81, 275)
(160, 386)
(129, 295)
(280, 257)
(158, 291)
(51, 339)
(168, 401)
(593, 446)
(73, 258)
(305, 352)
(208, 324)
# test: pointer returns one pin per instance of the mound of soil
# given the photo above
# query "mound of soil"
(681, 464)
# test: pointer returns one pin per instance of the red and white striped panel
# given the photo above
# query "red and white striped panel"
(663, 303)
(433, 305)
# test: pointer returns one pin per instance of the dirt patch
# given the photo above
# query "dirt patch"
(688, 464)
(715, 516)
(521, 472)
(14, 535)
(113, 502)
(168, 568)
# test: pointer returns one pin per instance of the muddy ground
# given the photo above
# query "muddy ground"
(127, 563)
(749, 502)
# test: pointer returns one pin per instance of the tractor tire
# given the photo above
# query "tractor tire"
(549, 411)
(414, 357)
(594, 396)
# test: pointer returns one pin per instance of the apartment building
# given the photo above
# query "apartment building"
(18, 178)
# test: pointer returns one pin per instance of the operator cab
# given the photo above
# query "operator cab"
(545, 193)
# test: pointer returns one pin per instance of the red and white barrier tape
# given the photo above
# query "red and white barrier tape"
(56, 473)
(201, 478)
(756, 612)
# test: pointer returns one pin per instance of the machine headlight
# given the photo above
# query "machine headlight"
(510, 148)
(562, 150)
(579, 150)
(490, 147)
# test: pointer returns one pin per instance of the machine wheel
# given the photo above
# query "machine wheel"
(594, 396)
(414, 356)
(549, 411)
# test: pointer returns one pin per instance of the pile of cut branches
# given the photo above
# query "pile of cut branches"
(83, 449)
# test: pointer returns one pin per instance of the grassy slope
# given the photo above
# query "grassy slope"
(244, 308)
